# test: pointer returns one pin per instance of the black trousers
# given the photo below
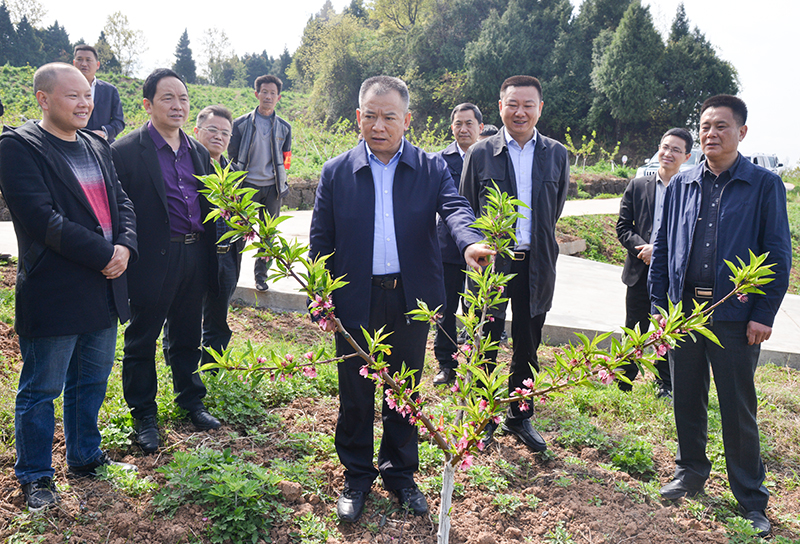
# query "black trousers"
(526, 333)
(637, 311)
(734, 367)
(398, 457)
(446, 342)
(179, 310)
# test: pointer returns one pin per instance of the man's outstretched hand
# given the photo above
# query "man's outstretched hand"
(478, 255)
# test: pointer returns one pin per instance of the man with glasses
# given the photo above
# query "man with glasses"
(637, 227)
(261, 144)
(107, 119)
(213, 130)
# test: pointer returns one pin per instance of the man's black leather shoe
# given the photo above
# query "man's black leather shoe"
(412, 499)
(204, 421)
(676, 489)
(488, 435)
(758, 519)
(90, 470)
(523, 430)
(445, 376)
(146, 433)
(351, 504)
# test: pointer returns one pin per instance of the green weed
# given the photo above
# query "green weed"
(580, 433)
(507, 504)
(559, 535)
(485, 477)
(634, 457)
(127, 481)
(312, 529)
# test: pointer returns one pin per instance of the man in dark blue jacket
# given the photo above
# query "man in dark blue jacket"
(107, 119)
(719, 211)
(375, 213)
(466, 123)
(76, 234)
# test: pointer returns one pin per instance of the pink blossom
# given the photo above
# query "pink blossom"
(323, 323)
(310, 372)
(501, 288)
(462, 443)
(289, 357)
(662, 350)
(308, 355)
(491, 319)
(497, 419)
(455, 356)
(467, 461)
(249, 236)
(479, 445)
(225, 214)
(391, 402)
(637, 353)
(528, 383)
(742, 297)
(483, 404)
(364, 371)
(605, 377)
(523, 406)
(261, 360)
(543, 399)
(454, 389)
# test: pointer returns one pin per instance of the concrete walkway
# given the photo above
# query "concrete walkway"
(589, 296)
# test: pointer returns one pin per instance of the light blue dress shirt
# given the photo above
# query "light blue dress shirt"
(658, 209)
(385, 259)
(522, 160)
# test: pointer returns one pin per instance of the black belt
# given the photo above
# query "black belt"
(388, 282)
(190, 238)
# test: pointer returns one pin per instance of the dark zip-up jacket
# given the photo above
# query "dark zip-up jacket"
(61, 290)
(752, 216)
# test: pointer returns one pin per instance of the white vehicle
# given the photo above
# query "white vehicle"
(770, 162)
(651, 166)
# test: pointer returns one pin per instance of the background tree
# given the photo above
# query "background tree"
(126, 43)
(28, 45)
(505, 45)
(280, 67)
(691, 72)
(627, 73)
(184, 63)
(218, 54)
(32, 10)
(8, 36)
(55, 44)
(108, 60)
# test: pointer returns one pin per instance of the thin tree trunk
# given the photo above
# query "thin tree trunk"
(448, 484)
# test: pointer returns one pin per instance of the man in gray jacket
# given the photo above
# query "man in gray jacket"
(261, 144)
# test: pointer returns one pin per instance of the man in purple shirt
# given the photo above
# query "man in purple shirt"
(156, 165)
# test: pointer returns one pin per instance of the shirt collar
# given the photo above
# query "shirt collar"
(395, 158)
(531, 142)
(461, 152)
(160, 142)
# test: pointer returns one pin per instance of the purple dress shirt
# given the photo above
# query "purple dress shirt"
(183, 200)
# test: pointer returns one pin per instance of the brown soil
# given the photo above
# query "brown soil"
(593, 504)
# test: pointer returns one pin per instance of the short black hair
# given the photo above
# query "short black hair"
(520, 81)
(150, 84)
(467, 106)
(217, 110)
(737, 106)
(488, 130)
(85, 47)
(269, 78)
(683, 134)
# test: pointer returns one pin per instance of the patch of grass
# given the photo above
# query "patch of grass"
(241, 499)
(127, 481)
(634, 457)
(7, 306)
(311, 529)
(485, 477)
(302, 472)
(600, 234)
(559, 535)
(506, 503)
(580, 433)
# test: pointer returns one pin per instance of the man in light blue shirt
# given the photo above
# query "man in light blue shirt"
(375, 214)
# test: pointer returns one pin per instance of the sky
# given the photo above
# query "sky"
(757, 38)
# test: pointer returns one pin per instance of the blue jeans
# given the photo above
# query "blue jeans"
(79, 365)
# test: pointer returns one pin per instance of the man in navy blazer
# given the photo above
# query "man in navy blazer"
(375, 214)
(637, 227)
(466, 124)
(107, 119)
(177, 264)
(534, 169)
(76, 236)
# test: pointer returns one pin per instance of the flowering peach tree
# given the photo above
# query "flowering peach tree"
(481, 389)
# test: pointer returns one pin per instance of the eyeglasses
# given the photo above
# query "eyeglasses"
(674, 150)
(214, 131)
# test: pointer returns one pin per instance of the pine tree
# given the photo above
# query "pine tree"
(680, 26)
(8, 36)
(28, 47)
(184, 63)
(108, 61)
(56, 45)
